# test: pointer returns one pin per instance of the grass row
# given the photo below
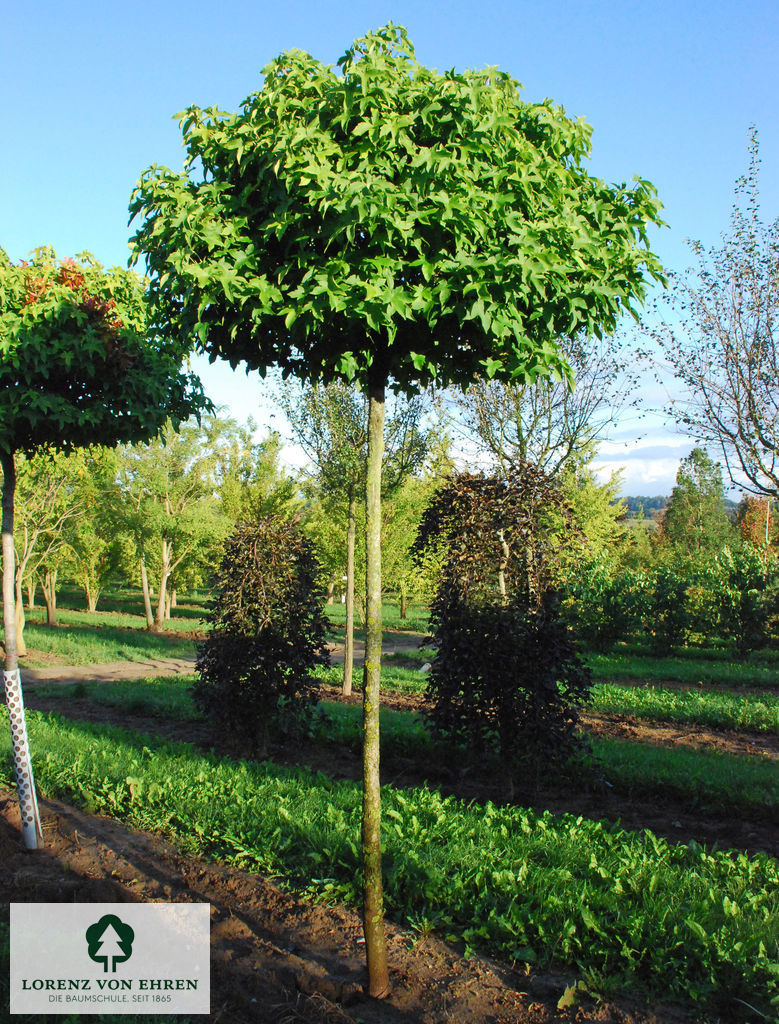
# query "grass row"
(709, 780)
(625, 911)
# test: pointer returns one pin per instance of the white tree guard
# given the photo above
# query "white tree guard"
(25, 784)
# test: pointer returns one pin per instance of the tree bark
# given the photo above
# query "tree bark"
(92, 595)
(373, 896)
(21, 645)
(159, 615)
(146, 595)
(330, 589)
(349, 639)
(32, 586)
(173, 598)
(403, 603)
(49, 588)
(25, 783)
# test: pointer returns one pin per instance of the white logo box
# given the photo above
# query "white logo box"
(132, 958)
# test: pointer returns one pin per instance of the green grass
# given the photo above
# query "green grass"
(697, 671)
(80, 642)
(416, 620)
(625, 911)
(709, 780)
(718, 709)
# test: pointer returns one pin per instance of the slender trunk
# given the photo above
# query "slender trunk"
(173, 599)
(146, 595)
(373, 897)
(25, 784)
(349, 640)
(21, 646)
(32, 586)
(167, 606)
(92, 595)
(330, 589)
(403, 603)
(159, 615)
(49, 588)
(504, 561)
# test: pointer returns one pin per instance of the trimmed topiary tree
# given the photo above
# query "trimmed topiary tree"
(267, 635)
(506, 677)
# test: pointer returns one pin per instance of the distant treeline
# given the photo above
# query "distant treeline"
(654, 505)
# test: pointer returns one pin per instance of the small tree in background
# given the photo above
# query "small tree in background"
(267, 634)
(506, 676)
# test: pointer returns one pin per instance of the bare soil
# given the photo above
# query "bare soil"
(277, 958)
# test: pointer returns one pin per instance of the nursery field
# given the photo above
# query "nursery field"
(646, 890)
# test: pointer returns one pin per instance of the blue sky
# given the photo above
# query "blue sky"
(90, 90)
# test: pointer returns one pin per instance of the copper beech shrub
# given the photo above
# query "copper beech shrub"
(506, 679)
(267, 634)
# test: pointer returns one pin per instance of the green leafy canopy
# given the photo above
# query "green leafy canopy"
(381, 221)
(78, 363)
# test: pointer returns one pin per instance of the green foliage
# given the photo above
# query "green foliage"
(344, 225)
(506, 672)
(628, 911)
(717, 709)
(267, 633)
(695, 524)
(667, 615)
(604, 602)
(747, 597)
(78, 359)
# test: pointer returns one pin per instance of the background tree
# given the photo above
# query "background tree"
(389, 224)
(45, 505)
(758, 524)
(695, 523)
(267, 634)
(506, 676)
(547, 423)
(330, 422)
(725, 350)
(94, 544)
(78, 361)
(170, 493)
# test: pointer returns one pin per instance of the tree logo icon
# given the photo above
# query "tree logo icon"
(110, 941)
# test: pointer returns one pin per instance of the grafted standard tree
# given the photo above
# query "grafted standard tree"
(385, 224)
(77, 363)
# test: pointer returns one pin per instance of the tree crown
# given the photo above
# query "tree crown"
(387, 221)
(77, 363)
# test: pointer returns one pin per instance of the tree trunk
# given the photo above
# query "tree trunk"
(330, 589)
(504, 561)
(146, 595)
(25, 784)
(403, 603)
(168, 600)
(349, 640)
(49, 588)
(159, 615)
(373, 896)
(92, 595)
(173, 599)
(21, 646)
(32, 586)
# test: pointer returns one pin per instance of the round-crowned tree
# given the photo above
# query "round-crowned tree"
(267, 634)
(506, 677)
